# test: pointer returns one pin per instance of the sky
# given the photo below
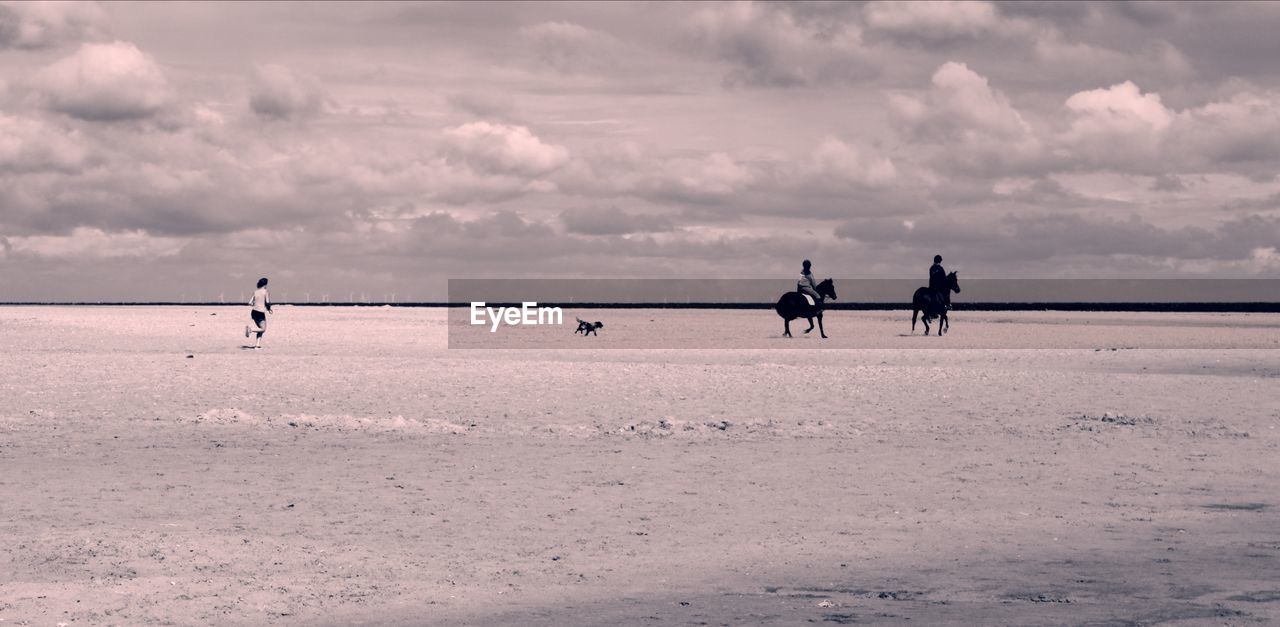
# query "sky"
(178, 151)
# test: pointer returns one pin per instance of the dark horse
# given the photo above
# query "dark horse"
(934, 304)
(794, 305)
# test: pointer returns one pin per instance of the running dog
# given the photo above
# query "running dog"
(587, 328)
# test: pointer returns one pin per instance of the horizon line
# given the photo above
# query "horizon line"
(1118, 306)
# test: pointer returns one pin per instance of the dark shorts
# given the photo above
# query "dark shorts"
(259, 320)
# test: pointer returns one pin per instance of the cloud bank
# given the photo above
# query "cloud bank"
(375, 147)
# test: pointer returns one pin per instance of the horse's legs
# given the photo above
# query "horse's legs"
(946, 324)
(913, 319)
(810, 326)
(821, 331)
(786, 322)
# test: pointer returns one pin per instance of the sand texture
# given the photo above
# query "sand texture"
(1029, 468)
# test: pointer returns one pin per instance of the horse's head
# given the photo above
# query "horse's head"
(827, 288)
(953, 282)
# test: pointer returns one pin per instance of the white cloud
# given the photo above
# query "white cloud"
(1119, 126)
(1122, 105)
(836, 163)
(824, 181)
(1125, 129)
(629, 170)
(1265, 259)
(969, 125)
(91, 243)
(963, 125)
(30, 145)
(961, 106)
(716, 174)
(105, 82)
(503, 149)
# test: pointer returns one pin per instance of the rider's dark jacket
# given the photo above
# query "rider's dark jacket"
(937, 277)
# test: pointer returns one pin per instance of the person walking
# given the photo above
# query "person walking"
(261, 304)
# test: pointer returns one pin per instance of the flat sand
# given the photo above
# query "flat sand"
(1028, 468)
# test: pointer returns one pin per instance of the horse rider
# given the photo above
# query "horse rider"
(807, 285)
(938, 280)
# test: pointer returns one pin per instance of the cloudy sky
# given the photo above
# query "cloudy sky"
(161, 151)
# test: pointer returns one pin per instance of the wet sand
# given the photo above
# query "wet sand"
(359, 471)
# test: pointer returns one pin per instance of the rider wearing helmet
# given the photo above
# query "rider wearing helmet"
(807, 285)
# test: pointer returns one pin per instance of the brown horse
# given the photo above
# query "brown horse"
(934, 304)
(794, 305)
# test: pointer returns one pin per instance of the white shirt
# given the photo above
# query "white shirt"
(806, 280)
(260, 300)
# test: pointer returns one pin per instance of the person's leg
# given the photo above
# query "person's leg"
(260, 319)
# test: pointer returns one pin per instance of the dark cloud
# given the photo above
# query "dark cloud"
(774, 45)
(937, 22)
(1265, 203)
(1148, 13)
(570, 47)
(1169, 183)
(38, 25)
(1053, 11)
(482, 104)
(1046, 237)
(612, 221)
(278, 92)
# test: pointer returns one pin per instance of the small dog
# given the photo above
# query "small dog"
(587, 328)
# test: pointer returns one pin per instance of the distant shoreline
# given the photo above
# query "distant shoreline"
(1154, 307)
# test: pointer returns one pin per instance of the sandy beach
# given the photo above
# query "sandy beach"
(1027, 468)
